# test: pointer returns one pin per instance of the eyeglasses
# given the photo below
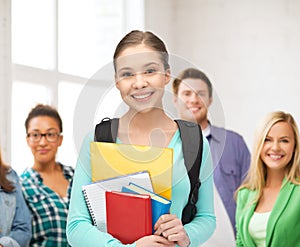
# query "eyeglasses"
(50, 136)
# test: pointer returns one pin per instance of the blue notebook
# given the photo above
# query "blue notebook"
(159, 204)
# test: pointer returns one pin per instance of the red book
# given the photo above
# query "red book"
(128, 216)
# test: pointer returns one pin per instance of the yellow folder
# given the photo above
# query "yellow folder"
(109, 160)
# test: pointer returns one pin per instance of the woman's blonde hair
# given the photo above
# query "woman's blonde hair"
(256, 177)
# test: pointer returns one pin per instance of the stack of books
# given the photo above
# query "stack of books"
(125, 200)
(125, 206)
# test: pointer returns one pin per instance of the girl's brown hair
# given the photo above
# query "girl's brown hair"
(44, 110)
(149, 39)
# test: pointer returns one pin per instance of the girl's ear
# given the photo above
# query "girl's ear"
(175, 98)
(61, 137)
(167, 76)
(116, 82)
(210, 101)
(28, 142)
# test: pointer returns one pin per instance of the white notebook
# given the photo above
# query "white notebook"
(94, 194)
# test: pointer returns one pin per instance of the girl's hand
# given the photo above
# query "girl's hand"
(170, 227)
(154, 241)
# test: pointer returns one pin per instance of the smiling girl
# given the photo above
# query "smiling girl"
(267, 202)
(141, 73)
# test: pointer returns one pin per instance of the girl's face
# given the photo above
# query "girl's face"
(45, 149)
(278, 147)
(141, 77)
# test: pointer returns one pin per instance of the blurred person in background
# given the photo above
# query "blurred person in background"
(231, 158)
(47, 184)
(268, 200)
(15, 220)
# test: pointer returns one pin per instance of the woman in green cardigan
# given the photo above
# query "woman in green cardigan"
(268, 200)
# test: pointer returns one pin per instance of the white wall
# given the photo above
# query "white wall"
(249, 49)
(5, 77)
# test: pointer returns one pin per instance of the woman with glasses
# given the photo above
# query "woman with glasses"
(47, 184)
(15, 222)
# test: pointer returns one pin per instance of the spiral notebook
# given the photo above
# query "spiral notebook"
(94, 194)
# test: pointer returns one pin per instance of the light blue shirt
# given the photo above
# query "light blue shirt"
(81, 232)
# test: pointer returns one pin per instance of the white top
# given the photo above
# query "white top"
(258, 228)
(206, 131)
(223, 235)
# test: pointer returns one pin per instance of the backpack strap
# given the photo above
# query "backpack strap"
(192, 147)
(109, 130)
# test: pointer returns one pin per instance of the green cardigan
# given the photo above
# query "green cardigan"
(283, 228)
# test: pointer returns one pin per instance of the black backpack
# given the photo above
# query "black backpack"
(192, 146)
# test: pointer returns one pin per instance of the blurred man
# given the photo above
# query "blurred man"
(231, 158)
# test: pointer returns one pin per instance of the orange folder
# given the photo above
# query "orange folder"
(110, 160)
(128, 216)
